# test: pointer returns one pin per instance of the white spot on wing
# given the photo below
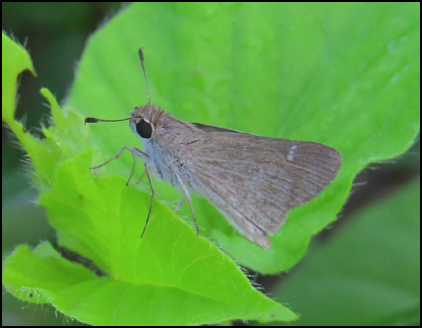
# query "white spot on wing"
(290, 156)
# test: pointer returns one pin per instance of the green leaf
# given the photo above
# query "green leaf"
(13, 61)
(346, 75)
(65, 139)
(367, 274)
(182, 280)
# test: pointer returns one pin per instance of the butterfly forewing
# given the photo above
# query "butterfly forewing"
(254, 181)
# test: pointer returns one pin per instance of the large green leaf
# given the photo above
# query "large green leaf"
(346, 75)
(369, 273)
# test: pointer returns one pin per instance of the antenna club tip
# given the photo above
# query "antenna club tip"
(90, 120)
(141, 54)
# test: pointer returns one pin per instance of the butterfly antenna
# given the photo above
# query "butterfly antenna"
(141, 57)
(96, 120)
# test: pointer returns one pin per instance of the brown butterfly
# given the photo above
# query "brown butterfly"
(253, 181)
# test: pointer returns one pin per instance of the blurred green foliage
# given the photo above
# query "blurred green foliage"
(366, 275)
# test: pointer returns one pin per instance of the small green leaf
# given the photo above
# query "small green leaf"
(62, 141)
(14, 60)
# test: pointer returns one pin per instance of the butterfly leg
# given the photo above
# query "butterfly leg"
(189, 199)
(135, 153)
(142, 176)
(180, 204)
(148, 173)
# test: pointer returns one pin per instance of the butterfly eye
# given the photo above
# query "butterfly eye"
(144, 129)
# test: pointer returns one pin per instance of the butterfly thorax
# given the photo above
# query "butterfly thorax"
(162, 138)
